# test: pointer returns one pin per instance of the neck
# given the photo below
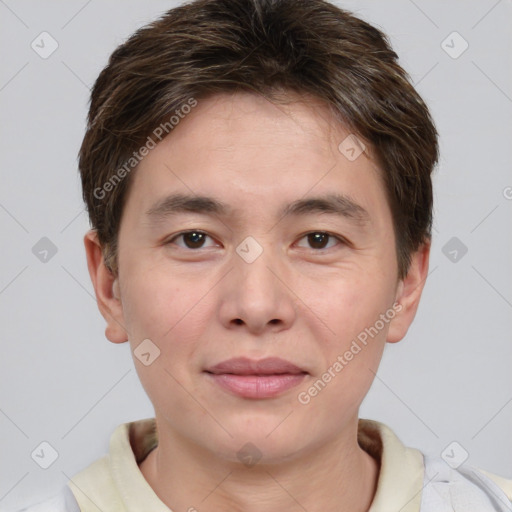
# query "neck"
(338, 476)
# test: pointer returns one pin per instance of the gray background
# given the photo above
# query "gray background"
(62, 382)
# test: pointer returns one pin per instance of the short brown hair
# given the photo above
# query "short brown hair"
(310, 47)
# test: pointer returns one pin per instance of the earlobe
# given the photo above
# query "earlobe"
(409, 292)
(106, 288)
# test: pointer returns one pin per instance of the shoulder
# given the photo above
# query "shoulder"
(64, 501)
(503, 483)
(464, 489)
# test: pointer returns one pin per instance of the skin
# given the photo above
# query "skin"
(298, 300)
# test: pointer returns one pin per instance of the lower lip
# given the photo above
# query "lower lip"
(257, 386)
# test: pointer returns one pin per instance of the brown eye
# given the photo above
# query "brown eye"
(192, 240)
(318, 240)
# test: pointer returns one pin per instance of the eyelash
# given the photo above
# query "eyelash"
(339, 239)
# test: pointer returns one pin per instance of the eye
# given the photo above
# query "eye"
(319, 240)
(191, 240)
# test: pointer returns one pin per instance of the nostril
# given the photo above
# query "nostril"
(274, 321)
(238, 321)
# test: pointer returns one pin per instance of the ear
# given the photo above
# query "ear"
(106, 288)
(408, 294)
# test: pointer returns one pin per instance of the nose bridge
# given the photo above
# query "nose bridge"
(257, 285)
(254, 296)
(256, 277)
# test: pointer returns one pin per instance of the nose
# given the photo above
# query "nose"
(255, 297)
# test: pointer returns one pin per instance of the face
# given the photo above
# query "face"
(260, 262)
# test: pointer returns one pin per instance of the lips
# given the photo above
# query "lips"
(245, 366)
(248, 378)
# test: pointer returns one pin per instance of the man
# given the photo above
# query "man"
(258, 179)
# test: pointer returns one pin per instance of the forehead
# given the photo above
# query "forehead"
(226, 120)
(242, 147)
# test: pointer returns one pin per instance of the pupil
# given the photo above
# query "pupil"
(194, 239)
(318, 240)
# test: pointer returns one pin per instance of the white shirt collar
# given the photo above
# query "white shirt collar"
(116, 484)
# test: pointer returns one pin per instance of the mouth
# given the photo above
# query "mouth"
(248, 378)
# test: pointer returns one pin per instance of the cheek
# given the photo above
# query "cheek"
(347, 306)
(351, 356)
(166, 310)
(352, 348)
(173, 316)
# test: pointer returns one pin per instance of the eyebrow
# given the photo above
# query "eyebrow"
(177, 203)
(337, 204)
